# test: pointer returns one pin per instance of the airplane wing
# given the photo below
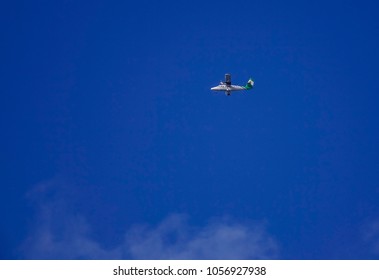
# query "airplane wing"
(228, 79)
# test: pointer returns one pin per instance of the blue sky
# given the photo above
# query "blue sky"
(114, 147)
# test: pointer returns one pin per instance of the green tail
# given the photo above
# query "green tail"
(250, 84)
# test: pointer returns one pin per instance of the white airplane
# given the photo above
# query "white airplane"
(228, 87)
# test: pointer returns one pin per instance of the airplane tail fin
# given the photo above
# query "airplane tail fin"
(250, 84)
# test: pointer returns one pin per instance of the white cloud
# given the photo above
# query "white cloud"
(175, 239)
(60, 233)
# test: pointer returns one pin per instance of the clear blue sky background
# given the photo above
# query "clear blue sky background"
(113, 146)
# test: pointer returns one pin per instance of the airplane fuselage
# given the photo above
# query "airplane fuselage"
(227, 86)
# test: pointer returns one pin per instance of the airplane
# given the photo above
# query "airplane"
(228, 87)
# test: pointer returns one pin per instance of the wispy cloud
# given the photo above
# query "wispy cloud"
(174, 238)
(371, 235)
(60, 233)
